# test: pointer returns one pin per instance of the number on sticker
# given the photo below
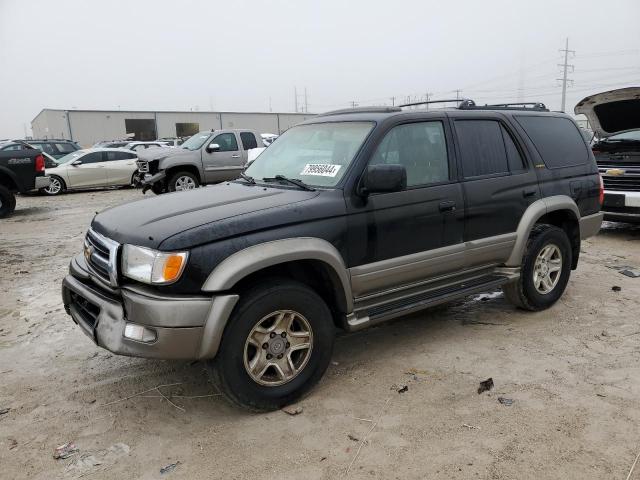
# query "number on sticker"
(320, 169)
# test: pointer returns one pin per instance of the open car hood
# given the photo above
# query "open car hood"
(612, 112)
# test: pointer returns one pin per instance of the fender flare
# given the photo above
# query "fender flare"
(531, 215)
(257, 257)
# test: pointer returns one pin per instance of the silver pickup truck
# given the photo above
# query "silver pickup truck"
(207, 157)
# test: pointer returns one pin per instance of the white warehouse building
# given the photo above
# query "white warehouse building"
(90, 126)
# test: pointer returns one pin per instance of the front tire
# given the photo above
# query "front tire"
(545, 270)
(276, 346)
(56, 186)
(7, 202)
(183, 181)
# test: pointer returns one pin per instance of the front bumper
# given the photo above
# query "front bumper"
(621, 206)
(188, 328)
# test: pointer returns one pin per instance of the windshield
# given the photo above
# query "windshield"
(70, 157)
(196, 142)
(318, 154)
(633, 136)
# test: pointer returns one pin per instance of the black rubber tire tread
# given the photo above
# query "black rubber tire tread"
(171, 186)
(522, 293)
(8, 202)
(227, 368)
(62, 190)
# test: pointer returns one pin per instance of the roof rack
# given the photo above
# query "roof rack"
(362, 110)
(458, 100)
(535, 106)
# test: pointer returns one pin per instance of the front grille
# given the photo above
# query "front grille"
(629, 183)
(101, 255)
(87, 310)
(143, 167)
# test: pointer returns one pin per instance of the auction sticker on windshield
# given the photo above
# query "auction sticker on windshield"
(320, 169)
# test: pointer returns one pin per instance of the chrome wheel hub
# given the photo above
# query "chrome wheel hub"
(54, 186)
(185, 183)
(278, 348)
(547, 269)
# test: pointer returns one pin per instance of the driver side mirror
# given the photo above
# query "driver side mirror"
(75, 163)
(213, 147)
(383, 179)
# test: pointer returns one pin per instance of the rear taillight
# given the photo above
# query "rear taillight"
(601, 196)
(39, 164)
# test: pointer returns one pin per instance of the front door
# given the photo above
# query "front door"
(403, 237)
(499, 184)
(90, 173)
(226, 163)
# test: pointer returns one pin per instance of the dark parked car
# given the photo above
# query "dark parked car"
(57, 148)
(615, 119)
(21, 171)
(351, 218)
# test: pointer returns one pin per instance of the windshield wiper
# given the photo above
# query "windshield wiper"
(292, 181)
(248, 179)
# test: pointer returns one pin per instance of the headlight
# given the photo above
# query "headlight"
(151, 266)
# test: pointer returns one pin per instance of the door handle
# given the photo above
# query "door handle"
(529, 192)
(447, 206)
(235, 156)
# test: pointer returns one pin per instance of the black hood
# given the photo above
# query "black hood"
(182, 220)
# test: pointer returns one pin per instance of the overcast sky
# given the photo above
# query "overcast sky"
(237, 55)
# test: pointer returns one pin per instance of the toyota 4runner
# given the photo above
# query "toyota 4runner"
(351, 218)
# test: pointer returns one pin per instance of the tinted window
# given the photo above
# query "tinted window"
(420, 147)
(481, 147)
(227, 142)
(45, 147)
(516, 162)
(557, 140)
(13, 147)
(93, 157)
(248, 140)
(65, 147)
(118, 156)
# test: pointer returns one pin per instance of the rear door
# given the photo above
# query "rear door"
(225, 163)
(90, 173)
(120, 167)
(499, 184)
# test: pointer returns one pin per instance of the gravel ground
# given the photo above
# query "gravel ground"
(573, 373)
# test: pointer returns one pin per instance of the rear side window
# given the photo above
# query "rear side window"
(516, 162)
(119, 156)
(482, 148)
(557, 140)
(93, 157)
(248, 140)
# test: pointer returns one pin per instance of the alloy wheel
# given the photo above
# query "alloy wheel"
(185, 183)
(278, 348)
(54, 186)
(547, 269)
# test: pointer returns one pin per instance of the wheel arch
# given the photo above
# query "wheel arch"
(312, 261)
(560, 211)
(173, 169)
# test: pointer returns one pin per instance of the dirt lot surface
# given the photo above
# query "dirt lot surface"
(573, 373)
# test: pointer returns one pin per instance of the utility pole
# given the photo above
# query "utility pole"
(295, 96)
(427, 97)
(354, 104)
(458, 92)
(306, 105)
(393, 101)
(565, 66)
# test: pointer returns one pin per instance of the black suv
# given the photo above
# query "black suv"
(351, 218)
(57, 148)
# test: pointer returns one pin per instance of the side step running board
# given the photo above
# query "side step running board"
(380, 313)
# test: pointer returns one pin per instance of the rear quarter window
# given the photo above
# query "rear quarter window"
(557, 140)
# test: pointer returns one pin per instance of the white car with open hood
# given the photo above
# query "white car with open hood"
(92, 168)
(614, 117)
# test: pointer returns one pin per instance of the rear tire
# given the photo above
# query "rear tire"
(276, 346)
(56, 186)
(183, 181)
(7, 202)
(545, 270)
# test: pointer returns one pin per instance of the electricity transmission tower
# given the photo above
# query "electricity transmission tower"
(565, 66)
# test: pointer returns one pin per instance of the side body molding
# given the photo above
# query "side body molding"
(536, 210)
(254, 258)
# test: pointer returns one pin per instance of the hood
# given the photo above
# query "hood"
(149, 154)
(154, 220)
(612, 112)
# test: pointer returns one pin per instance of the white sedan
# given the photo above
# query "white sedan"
(92, 168)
